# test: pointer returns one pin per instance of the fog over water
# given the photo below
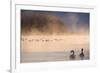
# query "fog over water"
(50, 36)
(49, 22)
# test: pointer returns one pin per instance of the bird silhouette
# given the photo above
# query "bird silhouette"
(82, 54)
(72, 56)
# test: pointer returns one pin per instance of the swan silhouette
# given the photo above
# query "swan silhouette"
(82, 53)
(72, 56)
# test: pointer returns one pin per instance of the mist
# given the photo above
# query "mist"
(49, 22)
(41, 23)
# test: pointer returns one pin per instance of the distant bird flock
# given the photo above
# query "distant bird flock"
(37, 40)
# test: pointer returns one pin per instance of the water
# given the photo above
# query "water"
(53, 48)
(51, 56)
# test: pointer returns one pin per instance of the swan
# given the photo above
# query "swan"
(82, 53)
(72, 56)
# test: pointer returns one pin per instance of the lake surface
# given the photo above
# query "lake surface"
(51, 56)
(53, 48)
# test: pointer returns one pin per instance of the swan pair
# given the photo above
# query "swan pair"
(72, 56)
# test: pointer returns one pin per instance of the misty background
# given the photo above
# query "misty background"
(52, 22)
(43, 35)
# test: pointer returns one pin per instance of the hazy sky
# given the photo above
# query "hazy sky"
(75, 21)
